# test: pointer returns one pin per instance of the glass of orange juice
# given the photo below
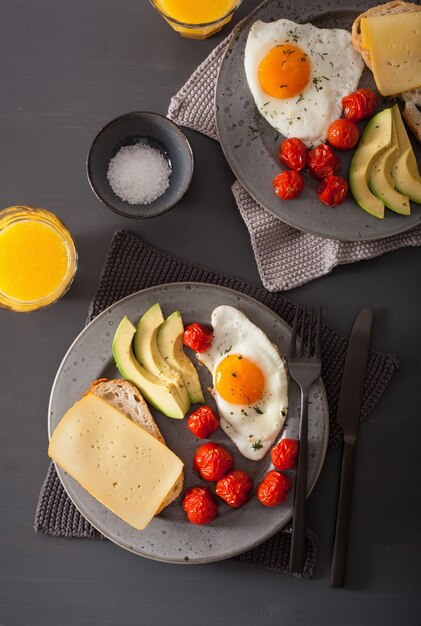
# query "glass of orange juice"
(196, 19)
(38, 258)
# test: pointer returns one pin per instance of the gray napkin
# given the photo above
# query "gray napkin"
(286, 257)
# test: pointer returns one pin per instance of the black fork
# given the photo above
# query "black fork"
(304, 367)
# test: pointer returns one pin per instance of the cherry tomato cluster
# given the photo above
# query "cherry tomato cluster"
(214, 464)
(275, 486)
(321, 161)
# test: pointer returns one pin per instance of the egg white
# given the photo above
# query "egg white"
(252, 427)
(336, 69)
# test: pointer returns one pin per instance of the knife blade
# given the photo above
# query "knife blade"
(348, 417)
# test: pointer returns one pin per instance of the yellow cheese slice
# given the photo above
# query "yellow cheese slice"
(113, 458)
(394, 43)
(365, 35)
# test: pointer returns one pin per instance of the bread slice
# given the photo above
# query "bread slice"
(412, 111)
(396, 6)
(126, 398)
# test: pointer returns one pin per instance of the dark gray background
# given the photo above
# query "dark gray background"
(66, 68)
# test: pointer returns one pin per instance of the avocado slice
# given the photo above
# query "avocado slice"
(405, 169)
(376, 137)
(164, 397)
(381, 181)
(170, 344)
(148, 355)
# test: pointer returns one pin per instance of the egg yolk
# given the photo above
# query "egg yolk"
(238, 380)
(285, 71)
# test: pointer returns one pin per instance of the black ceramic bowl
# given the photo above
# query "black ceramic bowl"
(128, 130)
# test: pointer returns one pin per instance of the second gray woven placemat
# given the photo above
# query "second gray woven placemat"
(132, 265)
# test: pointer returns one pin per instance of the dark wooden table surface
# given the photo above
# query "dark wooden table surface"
(66, 68)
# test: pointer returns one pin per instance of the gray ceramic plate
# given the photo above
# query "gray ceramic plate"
(253, 156)
(169, 537)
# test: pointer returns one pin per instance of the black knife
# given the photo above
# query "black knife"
(348, 416)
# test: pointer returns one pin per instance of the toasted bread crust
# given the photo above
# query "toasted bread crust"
(396, 6)
(412, 111)
(117, 392)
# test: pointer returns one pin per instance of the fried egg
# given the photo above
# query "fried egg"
(250, 383)
(298, 75)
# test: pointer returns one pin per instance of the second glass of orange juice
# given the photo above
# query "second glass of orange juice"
(196, 19)
(37, 258)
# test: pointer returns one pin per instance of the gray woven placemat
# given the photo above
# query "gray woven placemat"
(285, 257)
(132, 265)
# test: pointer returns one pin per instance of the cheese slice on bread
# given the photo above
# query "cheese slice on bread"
(393, 8)
(119, 462)
(126, 398)
(388, 37)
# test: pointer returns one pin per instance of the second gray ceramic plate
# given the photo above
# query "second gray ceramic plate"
(251, 145)
(169, 537)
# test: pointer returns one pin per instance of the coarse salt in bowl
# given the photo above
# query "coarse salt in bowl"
(139, 174)
(140, 164)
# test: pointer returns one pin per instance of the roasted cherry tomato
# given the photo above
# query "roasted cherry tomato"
(197, 337)
(359, 105)
(322, 161)
(203, 422)
(284, 454)
(293, 153)
(212, 461)
(343, 134)
(332, 190)
(273, 489)
(199, 505)
(234, 488)
(288, 185)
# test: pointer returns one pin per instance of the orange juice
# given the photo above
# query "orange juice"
(37, 258)
(196, 19)
(194, 11)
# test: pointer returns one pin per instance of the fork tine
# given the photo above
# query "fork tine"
(310, 328)
(318, 349)
(293, 344)
(303, 332)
